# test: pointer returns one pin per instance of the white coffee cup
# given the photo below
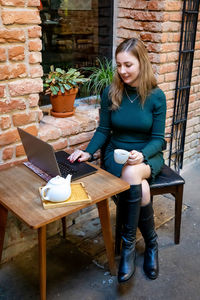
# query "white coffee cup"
(121, 156)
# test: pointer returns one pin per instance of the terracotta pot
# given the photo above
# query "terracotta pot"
(63, 104)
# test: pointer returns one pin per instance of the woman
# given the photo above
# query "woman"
(133, 111)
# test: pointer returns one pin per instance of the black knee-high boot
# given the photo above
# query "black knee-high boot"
(130, 202)
(147, 228)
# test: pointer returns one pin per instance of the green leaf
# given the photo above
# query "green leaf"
(53, 90)
(62, 89)
(67, 86)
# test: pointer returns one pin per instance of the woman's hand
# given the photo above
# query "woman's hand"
(135, 158)
(80, 155)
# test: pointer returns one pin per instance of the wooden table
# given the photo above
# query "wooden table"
(19, 194)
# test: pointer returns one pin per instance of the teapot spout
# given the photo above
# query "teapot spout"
(68, 178)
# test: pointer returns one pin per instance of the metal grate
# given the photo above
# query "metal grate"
(183, 82)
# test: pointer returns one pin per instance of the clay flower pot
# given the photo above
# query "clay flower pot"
(63, 103)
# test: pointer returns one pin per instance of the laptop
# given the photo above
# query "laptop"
(45, 162)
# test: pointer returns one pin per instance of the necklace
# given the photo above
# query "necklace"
(131, 100)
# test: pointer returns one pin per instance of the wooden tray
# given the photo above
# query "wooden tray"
(79, 195)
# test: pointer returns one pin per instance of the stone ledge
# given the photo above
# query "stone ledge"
(66, 133)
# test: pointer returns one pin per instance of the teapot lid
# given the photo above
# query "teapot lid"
(58, 180)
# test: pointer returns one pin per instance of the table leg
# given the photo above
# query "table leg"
(42, 261)
(3, 221)
(104, 216)
(64, 227)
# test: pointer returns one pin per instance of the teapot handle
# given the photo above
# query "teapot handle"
(43, 190)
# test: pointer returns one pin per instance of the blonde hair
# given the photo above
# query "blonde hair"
(147, 80)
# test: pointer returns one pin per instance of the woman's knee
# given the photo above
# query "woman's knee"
(136, 173)
(132, 174)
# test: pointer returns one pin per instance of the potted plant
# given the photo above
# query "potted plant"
(100, 76)
(63, 86)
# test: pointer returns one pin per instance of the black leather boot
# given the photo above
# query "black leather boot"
(130, 200)
(147, 228)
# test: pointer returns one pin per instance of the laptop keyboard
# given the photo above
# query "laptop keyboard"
(66, 169)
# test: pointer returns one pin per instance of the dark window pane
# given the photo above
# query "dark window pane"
(75, 33)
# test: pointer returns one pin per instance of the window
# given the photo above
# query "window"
(75, 33)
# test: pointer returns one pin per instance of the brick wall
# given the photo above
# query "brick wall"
(158, 24)
(20, 74)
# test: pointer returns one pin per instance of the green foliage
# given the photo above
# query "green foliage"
(60, 80)
(100, 77)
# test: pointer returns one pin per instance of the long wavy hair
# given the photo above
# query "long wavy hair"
(147, 80)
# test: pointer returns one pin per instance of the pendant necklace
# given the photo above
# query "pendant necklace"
(131, 100)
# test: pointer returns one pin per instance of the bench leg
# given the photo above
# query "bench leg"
(42, 261)
(104, 216)
(3, 221)
(178, 213)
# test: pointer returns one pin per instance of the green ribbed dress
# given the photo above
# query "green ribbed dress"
(132, 127)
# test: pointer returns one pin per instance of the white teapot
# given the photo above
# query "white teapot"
(58, 189)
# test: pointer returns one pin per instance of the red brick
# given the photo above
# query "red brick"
(80, 138)
(19, 151)
(16, 53)
(25, 86)
(154, 57)
(35, 45)
(35, 57)
(13, 2)
(34, 32)
(160, 78)
(167, 68)
(129, 23)
(170, 47)
(2, 54)
(140, 15)
(152, 26)
(7, 106)
(9, 137)
(20, 119)
(20, 17)
(155, 5)
(7, 153)
(5, 122)
(170, 37)
(12, 71)
(12, 35)
(36, 71)
(125, 34)
(173, 5)
(33, 100)
(165, 86)
(173, 56)
(153, 47)
(171, 26)
(176, 16)
(170, 99)
(134, 4)
(32, 129)
(2, 91)
(151, 37)
(33, 2)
